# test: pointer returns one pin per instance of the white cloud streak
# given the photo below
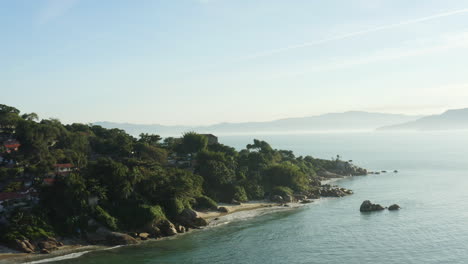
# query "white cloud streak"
(445, 43)
(356, 33)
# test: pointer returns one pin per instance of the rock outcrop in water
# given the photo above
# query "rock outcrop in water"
(167, 228)
(190, 218)
(394, 207)
(368, 206)
(330, 191)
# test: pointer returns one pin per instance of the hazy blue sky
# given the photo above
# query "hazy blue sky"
(208, 61)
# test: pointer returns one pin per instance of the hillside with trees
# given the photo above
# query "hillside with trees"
(76, 180)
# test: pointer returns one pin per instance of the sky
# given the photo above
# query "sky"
(200, 62)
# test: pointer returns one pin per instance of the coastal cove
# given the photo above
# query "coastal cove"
(430, 227)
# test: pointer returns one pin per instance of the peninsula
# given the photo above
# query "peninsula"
(79, 182)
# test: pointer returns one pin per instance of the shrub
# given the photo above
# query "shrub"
(175, 206)
(105, 218)
(205, 202)
(154, 213)
(25, 225)
(132, 215)
(240, 194)
(255, 191)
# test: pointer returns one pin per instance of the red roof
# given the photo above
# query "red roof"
(17, 145)
(11, 143)
(11, 195)
(64, 165)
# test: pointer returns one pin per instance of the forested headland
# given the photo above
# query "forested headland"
(72, 180)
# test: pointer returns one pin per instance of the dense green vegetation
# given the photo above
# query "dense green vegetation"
(131, 179)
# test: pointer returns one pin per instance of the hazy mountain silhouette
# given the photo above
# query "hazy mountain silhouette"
(347, 121)
(450, 120)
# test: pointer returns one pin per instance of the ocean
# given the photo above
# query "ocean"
(431, 187)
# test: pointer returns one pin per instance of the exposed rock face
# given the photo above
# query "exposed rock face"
(367, 206)
(24, 246)
(223, 209)
(49, 244)
(167, 228)
(32, 246)
(190, 218)
(394, 207)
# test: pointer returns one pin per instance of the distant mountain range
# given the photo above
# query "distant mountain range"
(347, 121)
(450, 120)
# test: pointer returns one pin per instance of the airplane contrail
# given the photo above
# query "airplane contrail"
(356, 33)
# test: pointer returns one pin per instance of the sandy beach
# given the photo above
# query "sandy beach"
(210, 215)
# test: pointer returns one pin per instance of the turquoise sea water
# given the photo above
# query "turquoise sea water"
(432, 227)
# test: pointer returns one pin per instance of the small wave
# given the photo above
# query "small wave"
(64, 257)
(249, 214)
(69, 256)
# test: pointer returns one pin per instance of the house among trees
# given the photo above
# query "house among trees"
(63, 169)
(11, 145)
(212, 139)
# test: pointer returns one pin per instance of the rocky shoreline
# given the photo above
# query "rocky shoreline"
(188, 221)
(108, 239)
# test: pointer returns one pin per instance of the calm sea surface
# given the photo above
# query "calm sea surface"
(432, 227)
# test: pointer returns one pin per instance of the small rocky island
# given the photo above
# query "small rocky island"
(368, 206)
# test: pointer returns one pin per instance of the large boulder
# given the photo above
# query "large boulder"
(115, 238)
(167, 228)
(105, 236)
(368, 206)
(48, 244)
(394, 207)
(190, 218)
(180, 229)
(223, 209)
(152, 229)
(143, 236)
